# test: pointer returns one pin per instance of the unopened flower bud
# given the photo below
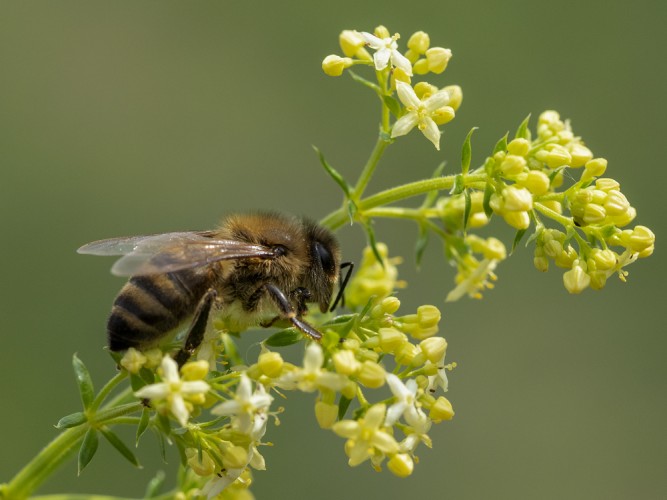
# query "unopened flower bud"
(537, 182)
(455, 96)
(579, 153)
(345, 362)
(326, 414)
(406, 353)
(271, 363)
(434, 348)
(640, 239)
(557, 157)
(616, 203)
(518, 220)
(334, 65)
(576, 280)
(594, 213)
(517, 199)
(604, 259)
(195, 370)
(234, 457)
(594, 168)
(391, 339)
(371, 375)
(513, 165)
(443, 115)
(202, 467)
(133, 360)
(381, 32)
(419, 42)
(438, 58)
(441, 410)
(518, 147)
(424, 90)
(351, 42)
(625, 218)
(401, 464)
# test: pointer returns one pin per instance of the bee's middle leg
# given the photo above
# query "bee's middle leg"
(287, 311)
(195, 334)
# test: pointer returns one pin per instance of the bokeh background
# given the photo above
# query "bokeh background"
(131, 117)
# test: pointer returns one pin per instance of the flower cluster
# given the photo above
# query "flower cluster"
(423, 105)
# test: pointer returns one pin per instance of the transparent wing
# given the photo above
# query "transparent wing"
(168, 252)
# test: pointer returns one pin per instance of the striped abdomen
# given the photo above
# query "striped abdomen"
(148, 307)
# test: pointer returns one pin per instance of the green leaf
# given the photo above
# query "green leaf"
(155, 485)
(288, 336)
(231, 351)
(333, 173)
(555, 172)
(486, 202)
(523, 132)
(466, 152)
(393, 105)
(143, 424)
(373, 243)
(421, 243)
(517, 239)
(86, 390)
(343, 405)
(88, 449)
(71, 420)
(468, 208)
(501, 145)
(351, 210)
(459, 185)
(116, 442)
(161, 444)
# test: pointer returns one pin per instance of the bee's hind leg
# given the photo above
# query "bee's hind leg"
(195, 334)
(287, 311)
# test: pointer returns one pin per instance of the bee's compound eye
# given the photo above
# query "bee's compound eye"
(279, 250)
(325, 258)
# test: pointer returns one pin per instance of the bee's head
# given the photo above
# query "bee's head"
(324, 264)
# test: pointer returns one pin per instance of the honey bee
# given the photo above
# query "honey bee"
(254, 269)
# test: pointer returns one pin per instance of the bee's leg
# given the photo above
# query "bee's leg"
(197, 329)
(287, 311)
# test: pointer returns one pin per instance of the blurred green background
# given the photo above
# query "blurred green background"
(130, 117)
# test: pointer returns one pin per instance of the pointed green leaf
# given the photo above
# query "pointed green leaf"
(501, 145)
(85, 383)
(231, 351)
(393, 105)
(523, 132)
(283, 338)
(459, 185)
(468, 208)
(143, 425)
(373, 243)
(161, 444)
(351, 210)
(88, 449)
(421, 243)
(466, 152)
(116, 442)
(71, 420)
(343, 405)
(486, 202)
(333, 173)
(155, 485)
(517, 239)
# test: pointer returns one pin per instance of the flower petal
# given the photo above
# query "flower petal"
(381, 58)
(313, 358)
(431, 131)
(404, 125)
(437, 101)
(179, 410)
(153, 391)
(401, 62)
(407, 95)
(372, 41)
(169, 369)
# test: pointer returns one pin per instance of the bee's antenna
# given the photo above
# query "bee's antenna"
(340, 297)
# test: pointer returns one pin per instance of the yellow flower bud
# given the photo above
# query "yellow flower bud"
(350, 42)
(345, 362)
(579, 153)
(441, 410)
(616, 203)
(350, 390)
(234, 457)
(406, 353)
(494, 249)
(517, 199)
(607, 184)
(334, 65)
(625, 218)
(371, 375)
(438, 58)
(598, 279)
(455, 96)
(381, 32)
(557, 157)
(604, 259)
(195, 370)
(326, 414)
(594, 168)
(537, 182)
(133, 360)
(594, 213)
(513, 165)
(518, 220)
(419, 42)
(271, 363)
(518, 147)
(420, 67)
(391, 339)
(640, 239)
(576, 280)
(401, 464)
(443, 115)
(566, 258)
(434, 348)
(153, 357)
(204, 467)
(424, 90)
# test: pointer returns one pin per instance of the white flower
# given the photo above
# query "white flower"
(419, 113)
(365, 437)
(440, 379)
(173, 390)
(416, 433)
(220, 481)
(312, 377)
(406, 400)
(386, 50)
(245, 405)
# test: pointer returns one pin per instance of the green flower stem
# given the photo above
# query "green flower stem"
(166, 496)
(339, 217)
(104, 392)
(369, 168)
(57, 452)
(561, 219)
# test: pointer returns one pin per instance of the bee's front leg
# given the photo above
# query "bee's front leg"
(287, 310)
(197, 328)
